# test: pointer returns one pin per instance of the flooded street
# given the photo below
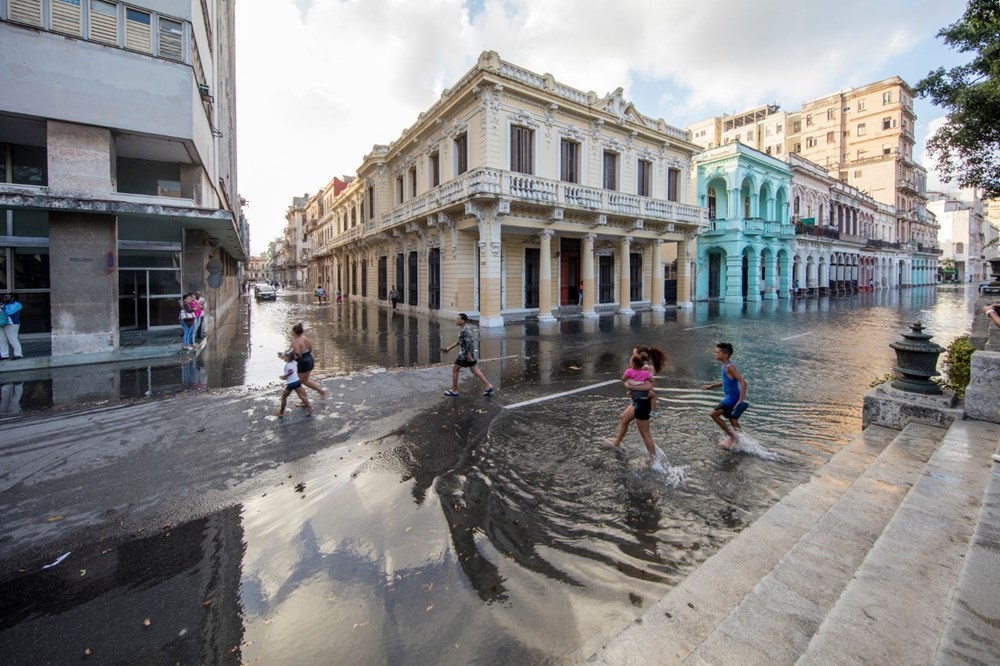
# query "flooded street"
(471, 529)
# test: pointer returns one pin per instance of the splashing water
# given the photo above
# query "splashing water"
(675, 476)
(747, 444)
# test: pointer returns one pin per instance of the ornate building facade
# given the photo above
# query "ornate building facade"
(780, 228)
(516, 195)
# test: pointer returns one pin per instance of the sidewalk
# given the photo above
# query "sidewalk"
(135, 345)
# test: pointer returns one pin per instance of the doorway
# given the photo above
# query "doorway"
(148, 298)
(570, 276)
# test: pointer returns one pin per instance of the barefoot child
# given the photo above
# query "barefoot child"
(734, 387)
(639, 382)
(292, 383)
(466, 357)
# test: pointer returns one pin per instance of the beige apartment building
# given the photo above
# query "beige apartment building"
(516, 195)
(862, 136)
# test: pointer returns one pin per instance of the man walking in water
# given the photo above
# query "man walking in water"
(735, 388)
(466, 357)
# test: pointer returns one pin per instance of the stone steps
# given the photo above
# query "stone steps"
(774, 623)
(878, 559)
(974, 616)
(690, 611)
(895, 608)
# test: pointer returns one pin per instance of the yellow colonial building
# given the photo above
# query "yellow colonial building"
(515, 196)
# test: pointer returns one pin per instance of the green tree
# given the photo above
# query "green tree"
(967, 146)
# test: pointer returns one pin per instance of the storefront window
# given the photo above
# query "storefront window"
(31, 267)
(31, 223)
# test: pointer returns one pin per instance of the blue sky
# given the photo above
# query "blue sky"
(321, 81)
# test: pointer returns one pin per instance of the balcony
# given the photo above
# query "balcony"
(751, 226)
(929, 249)
(528, 189)
(817, 232)
(875, 244)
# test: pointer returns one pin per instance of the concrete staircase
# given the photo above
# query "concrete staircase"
(889, 554)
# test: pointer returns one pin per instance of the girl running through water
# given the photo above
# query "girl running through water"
(638, 381)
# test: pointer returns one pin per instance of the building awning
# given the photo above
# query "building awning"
(218, 223)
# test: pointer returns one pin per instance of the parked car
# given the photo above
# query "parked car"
(983, 286)
(266, 292)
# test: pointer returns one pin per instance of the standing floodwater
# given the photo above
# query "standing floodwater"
(471, 529)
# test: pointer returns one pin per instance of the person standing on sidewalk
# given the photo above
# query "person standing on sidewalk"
(466, 357)
(12, 324)
(200, 330)
(187, 318)
(393, 297)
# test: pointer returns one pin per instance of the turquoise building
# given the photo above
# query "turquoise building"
(746, 253)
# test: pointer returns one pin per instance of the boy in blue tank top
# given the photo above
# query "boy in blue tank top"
(734, 387)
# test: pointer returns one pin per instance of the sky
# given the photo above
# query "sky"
(319, 82)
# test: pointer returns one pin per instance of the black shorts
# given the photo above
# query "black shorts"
(462, 363)
(291, 387)
(304, 363)
(642, 409)
(727, 410)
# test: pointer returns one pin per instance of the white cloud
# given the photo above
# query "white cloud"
(321, 81)
(934, 182)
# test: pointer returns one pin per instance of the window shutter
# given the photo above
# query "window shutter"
(103, 22)
(171, 43)
(138, 35)
(26, 11)
(67, 17)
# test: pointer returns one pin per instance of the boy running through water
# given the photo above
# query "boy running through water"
(734, 387)
(466, 357)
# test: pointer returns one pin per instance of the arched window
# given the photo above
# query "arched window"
(796, 206)
(746, 206)
(711, 203)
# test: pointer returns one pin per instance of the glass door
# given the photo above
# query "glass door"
(128, 298)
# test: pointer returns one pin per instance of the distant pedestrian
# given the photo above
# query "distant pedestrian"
(638, 380)
(302, 347)
(202, 315)
(320, 293)
(187, 317)
(11, 325)
(340, 297)
(734, 387)
(292, 383)
(466, 357)
(393, 297)
(579, 294)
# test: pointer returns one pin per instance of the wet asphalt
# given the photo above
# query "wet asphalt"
(135, 494)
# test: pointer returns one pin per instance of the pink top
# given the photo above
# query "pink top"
(638, 376)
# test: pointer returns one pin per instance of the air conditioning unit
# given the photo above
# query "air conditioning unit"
(205, 92)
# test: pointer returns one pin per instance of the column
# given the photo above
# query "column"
(625, 277)
(734, 278)
(545, 277)
(784, 280)
(656, 299)
(589, 283)
(753, 275)
(683, 274)
(84, 291)
(771, 286)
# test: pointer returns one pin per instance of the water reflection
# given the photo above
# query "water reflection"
(183, 580)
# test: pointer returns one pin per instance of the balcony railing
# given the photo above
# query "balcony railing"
(753, 226)
(929, 249)
(526, 188)
(882, 244)
(819, 232)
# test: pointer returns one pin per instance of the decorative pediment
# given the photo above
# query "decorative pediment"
(615, 104)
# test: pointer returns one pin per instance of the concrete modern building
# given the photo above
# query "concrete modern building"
(780, 228)
(118, 187)
(510, 193)
(864, 138)
(962, 234)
